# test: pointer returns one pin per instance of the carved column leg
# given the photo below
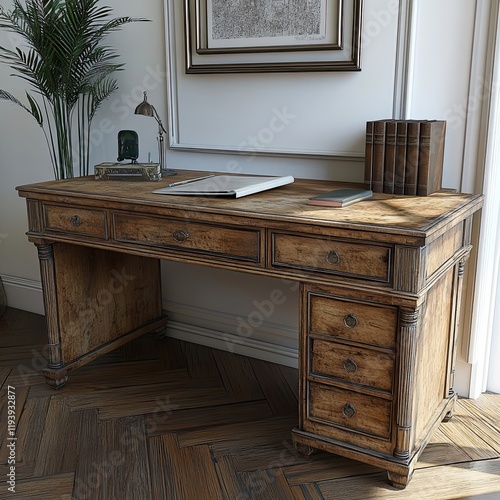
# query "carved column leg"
(404, 415)
(47, 271)
(454, 334)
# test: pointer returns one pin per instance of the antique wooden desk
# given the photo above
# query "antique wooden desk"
(379, 285)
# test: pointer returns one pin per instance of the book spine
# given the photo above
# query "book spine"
(431, 153)
(368, 155)
(390, 156)
(378, 156)
(412, 158)
(400, 167)
(424, 156)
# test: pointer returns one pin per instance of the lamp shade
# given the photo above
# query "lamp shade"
(144, 108)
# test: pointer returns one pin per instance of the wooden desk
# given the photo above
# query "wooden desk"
(380, 289)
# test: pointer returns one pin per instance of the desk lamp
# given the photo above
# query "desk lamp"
(147, 109)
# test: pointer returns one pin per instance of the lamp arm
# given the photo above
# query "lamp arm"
(157, 118)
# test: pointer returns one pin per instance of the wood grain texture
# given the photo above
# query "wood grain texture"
(236, 449)
(411, 216)
(380, 285)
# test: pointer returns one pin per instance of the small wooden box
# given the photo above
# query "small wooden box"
(130, 172)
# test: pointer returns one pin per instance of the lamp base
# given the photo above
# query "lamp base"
(166, 172)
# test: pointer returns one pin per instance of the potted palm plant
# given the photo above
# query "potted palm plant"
(68, 69)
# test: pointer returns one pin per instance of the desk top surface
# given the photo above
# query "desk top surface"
(417, 215)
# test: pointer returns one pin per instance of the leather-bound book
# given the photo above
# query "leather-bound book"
(400, 167)
(412, 153)
(390, 156)
(431, 155)
(368, 155)
(378, 156)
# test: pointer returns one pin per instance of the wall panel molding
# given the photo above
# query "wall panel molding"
(182, 113)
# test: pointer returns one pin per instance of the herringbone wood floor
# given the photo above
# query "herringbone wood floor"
(162, 419)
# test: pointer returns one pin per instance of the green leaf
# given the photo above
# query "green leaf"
(64, 59)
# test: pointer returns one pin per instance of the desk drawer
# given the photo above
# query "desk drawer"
(355, 321)
(351, 364)
(349, 409)
(201, 238)
(331, 256)
(75, 220)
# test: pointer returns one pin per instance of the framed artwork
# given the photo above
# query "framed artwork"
(241, 36)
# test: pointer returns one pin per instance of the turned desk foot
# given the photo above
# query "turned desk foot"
(399, 481)
(304, 449)
(55, 381)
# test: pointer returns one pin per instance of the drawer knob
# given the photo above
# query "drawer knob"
(332, 257)
(350, 320)
(181, 235)
(75, 221)
(348, 411)
(350, 366)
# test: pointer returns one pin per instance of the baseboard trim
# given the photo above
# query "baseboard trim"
(23, 294)
(232, 343)
(271, 342)
(268, 341)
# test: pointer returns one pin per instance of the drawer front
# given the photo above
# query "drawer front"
(231, 243)
(355, 321)
(75, 220)
(350, 410)
(354, 365)
(331, 256)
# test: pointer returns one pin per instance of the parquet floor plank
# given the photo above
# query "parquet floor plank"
(195, 418)
(281, 398)
(164, 419)
(469, 437)
(139, 400)
(29, 435)
(441, 450)
(292, 378)
(266, 483)
(172, 354)
(118, 466)
(62, 432)
(20, 395)
(433, 483)
(182, 473)
(238, 376)
(267, 455)
(324, 466)
(45, 488)
(306, 492)
(229, 480)
(487, 422)
(143, 348)
(15, 322)
(200, 362)
(4, 373)
(225, 438)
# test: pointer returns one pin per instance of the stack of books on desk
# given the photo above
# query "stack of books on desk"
(404, 156)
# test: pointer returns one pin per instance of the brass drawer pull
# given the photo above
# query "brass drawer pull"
(332, 257)
(350, 366)
(75, 221)
(181, 235)
(348, 411)
(350, 320)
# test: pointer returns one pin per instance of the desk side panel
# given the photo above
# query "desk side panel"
(102, 295)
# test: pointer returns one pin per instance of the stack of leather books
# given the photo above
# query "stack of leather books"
(404, 156)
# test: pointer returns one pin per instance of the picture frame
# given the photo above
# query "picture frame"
(225, 36)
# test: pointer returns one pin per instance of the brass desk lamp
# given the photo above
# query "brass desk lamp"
(147, 109)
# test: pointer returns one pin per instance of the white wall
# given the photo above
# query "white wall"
(223, 308)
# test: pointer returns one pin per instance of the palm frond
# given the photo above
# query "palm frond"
(33, 110)
(66, 63)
